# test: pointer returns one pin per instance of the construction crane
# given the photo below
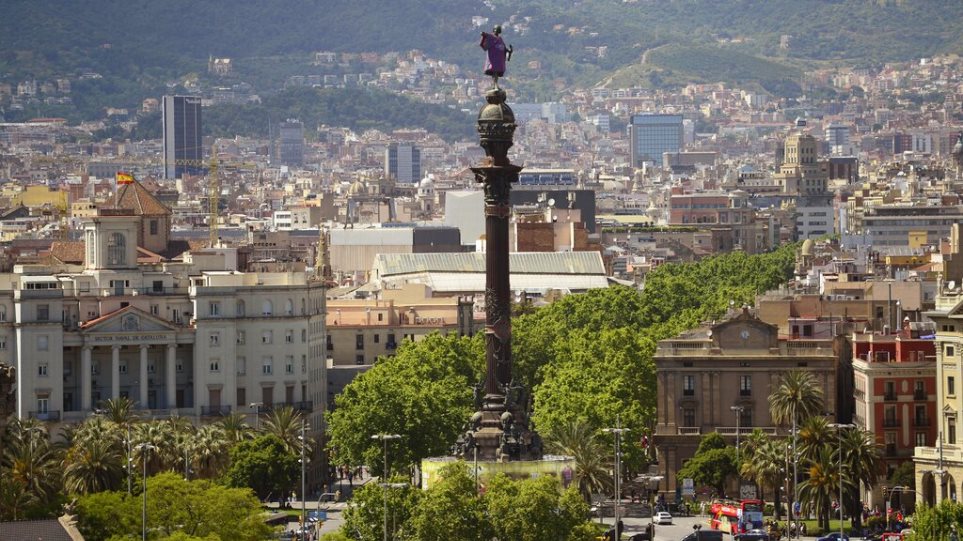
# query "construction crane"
(214, 187)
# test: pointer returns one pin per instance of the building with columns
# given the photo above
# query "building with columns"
(183, 334)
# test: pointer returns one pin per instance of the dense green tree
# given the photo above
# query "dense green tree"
(235, 428)
(263, 465)
(863, 463)
(937, 522)
(284, 423)
(176, 509)
(364, 518)
(535, 510)
(764, 462)
(424, 394)
(452, 509)
(713, 463)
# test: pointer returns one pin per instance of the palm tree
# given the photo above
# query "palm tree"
(15, 499)
(30, 460)
(285, 423)
(210, 451)
(797, 397)
(235, 428)
(158, 434)
(580, 441)
(120, 411)
(93, 465)
(822, 484)
(863, 464)
(766, 467)
(814, 434)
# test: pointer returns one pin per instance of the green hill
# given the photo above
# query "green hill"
(143, 47)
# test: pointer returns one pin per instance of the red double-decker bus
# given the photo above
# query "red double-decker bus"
(736, 517)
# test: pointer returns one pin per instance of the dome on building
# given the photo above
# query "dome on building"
(807, 247)
(357, 188)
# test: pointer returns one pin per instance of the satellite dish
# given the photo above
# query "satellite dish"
(551, 202)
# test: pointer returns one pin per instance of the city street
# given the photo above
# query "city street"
(681, 526)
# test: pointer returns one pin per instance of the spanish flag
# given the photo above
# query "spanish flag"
(124, 178)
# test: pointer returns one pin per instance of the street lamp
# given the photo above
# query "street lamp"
(303, 498)
(144, 449)
(385, 438)
(617, 431)
(257, 415)
(738, 411)
(839, 435)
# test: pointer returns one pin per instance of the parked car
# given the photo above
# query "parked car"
(752, 535)
(704, 535)
(663, 517)
(834, 537)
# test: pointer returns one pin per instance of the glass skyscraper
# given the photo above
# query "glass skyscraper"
(183, 138)
(654, 134)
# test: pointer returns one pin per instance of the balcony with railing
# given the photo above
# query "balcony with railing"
(215, 411)
(891, 422)
(689, 431)
(890, 396)
(919, 395)
(890, 450)
(49, 415)
(922, 421)
(746, 430)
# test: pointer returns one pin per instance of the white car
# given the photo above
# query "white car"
(663, 518)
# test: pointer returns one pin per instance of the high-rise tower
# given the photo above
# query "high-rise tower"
(183, 136)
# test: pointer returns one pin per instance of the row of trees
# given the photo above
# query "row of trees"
(103, 453)
(524, 510)
(587, 359)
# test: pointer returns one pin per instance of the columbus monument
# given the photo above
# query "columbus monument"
(497, 437)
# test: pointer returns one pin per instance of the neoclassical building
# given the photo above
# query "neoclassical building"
(185, 334)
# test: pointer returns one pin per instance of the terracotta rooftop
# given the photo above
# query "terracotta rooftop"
(68, 251)
(136, 197)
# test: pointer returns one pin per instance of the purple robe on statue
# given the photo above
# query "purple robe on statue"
(495, 46)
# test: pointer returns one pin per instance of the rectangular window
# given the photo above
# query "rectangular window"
(241, 337)
(289, 364)
(214, 308)
(304, 336)
(42, 369)
(215, 365)
(241, 397)
(241, 366)
(267, 365)
(151, 368)
(157, 286)
(122, 367)
(950, 350)
(153, 227)
(3, 342)
(688, 385)
(376, 338)
(921, 439)
(180, 367)
(359, 341)
(688, 417)
(289, 337)
(359, 359)
(889, 390)
(43, 312)
(267, 337)
(745, 418)
(745, 385)
(951, 386)
(42, 343)
(304, 364)
(43, 405)
(215, 339)
(154, 309)
(951, 430)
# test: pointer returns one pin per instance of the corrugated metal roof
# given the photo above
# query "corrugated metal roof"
(566, 263)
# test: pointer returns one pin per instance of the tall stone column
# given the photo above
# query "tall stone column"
(170, 366)
(499, 428)
(115, 372)
(143, 376)
(85, 377)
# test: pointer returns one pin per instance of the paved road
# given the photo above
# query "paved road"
(681, 526)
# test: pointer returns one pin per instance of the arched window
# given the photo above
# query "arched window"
(289, 307)
(267, 308)
(240, 308)
(117, 249)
